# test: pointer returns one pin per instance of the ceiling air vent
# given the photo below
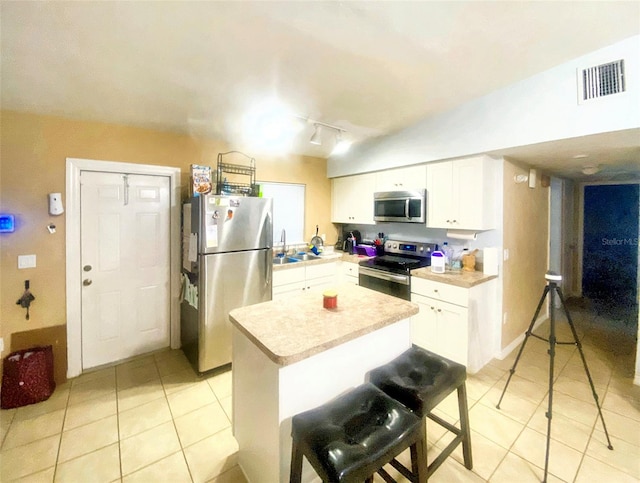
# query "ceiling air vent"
(602, 80)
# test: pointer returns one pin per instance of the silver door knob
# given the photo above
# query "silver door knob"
(86, 282)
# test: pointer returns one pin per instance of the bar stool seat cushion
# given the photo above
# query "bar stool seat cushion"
(351, 437)
(419, 379)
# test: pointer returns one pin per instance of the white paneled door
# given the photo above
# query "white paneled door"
(125, 265)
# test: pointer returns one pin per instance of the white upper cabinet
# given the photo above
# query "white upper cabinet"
(352, 199)
(461, 194)
(402, 179)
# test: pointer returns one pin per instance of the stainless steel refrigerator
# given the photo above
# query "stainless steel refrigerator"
(227, 263)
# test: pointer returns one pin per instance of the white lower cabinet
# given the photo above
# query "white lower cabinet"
(441, 328)
(349, 273)
(457, 323)
(298, 279)
(322, 275)
(288, 281)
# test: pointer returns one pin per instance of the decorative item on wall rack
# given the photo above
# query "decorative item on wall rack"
(230, 185)
(200, 180)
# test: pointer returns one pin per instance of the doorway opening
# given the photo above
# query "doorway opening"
(610, 253)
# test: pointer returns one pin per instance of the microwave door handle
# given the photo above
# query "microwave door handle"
(406, 208)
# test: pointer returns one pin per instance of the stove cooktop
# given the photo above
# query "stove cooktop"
(402, 257)
(400, 262)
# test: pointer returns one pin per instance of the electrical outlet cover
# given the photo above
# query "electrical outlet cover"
(26, 261)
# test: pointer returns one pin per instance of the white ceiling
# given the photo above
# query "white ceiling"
(369, 67)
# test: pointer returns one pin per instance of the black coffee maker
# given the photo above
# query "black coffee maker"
(351, 239)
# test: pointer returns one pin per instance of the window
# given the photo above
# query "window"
(288, 210)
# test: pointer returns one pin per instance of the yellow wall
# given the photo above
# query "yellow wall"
(526, 236)
(33, 154)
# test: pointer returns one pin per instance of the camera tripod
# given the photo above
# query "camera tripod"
(553, 289)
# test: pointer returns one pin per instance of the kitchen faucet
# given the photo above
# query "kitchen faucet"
(283, 240)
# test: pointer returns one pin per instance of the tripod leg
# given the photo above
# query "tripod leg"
(524, 342)
(584, 364)
(552, 355)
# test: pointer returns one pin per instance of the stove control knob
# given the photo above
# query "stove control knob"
(395, 245)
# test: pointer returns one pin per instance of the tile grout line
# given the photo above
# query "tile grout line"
(64, 420)
(118, 424)
(175, 428)
(524, 426)
(593, 429)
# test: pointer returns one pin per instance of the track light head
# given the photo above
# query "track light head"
(342, 145)
(315, 137)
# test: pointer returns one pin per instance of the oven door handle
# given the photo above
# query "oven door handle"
(390, 277)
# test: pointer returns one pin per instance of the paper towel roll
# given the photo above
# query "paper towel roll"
(462, 234)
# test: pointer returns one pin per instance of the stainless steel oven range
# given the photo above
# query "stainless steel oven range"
(391, 273)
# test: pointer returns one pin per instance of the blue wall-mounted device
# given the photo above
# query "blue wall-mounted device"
(7, 223)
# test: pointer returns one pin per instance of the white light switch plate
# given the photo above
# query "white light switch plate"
(26, 261)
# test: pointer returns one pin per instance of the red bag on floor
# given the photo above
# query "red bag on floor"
(27, 377)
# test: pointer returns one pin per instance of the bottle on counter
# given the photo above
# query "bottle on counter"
(448, 255)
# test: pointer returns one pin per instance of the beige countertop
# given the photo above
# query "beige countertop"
(458, 278)
(347, 257)
(291, 330)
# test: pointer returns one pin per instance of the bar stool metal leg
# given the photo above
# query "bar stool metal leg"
(295, 475)
(464, 426)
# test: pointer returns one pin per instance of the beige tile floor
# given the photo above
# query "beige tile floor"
(153, 420)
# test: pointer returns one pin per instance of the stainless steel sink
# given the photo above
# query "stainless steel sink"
(284, 260)
(305, 256)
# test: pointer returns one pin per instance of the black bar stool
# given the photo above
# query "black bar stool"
(420, 380)
(352, 437)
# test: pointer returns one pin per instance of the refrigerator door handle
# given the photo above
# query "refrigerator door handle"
(267, 270)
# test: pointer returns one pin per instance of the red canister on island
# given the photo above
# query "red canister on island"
(330, 299)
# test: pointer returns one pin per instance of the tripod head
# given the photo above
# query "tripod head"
(552, 277)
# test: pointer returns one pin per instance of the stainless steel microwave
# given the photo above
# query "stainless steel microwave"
(400, 206)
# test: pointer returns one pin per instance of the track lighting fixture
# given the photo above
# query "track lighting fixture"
(341, 144)
(315, 137)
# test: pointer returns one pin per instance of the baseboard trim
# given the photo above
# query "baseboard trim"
(518, 340)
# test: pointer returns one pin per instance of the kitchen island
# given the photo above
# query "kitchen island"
(293, 355)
